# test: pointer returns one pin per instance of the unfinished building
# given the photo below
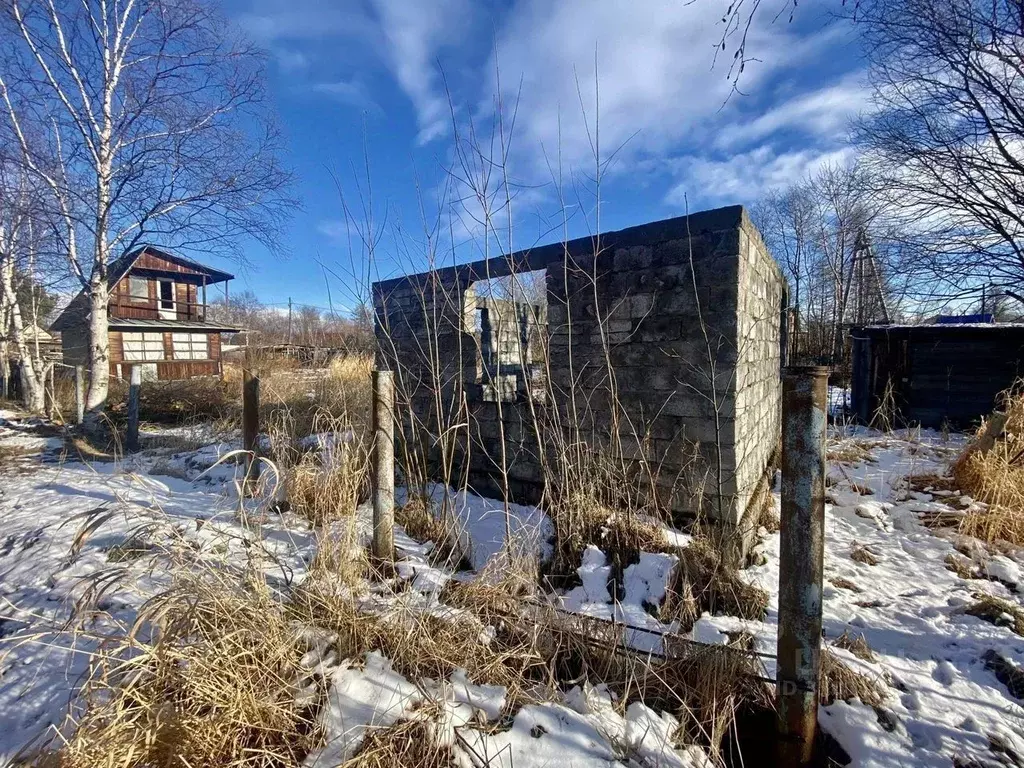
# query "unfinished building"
(656, 349)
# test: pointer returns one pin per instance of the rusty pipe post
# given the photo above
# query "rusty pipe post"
(79, 395)
(383, 466)
(251, 426)
(134, 387)
(801, 560)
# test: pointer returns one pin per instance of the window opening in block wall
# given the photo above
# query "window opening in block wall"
(510, 324)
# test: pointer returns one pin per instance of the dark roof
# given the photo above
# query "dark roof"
(939, 329)
(78, 308)
(140, 324)
(120, 266)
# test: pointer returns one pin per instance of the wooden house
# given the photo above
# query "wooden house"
(157, 317)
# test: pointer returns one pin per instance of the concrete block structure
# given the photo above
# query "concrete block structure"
(660, 345)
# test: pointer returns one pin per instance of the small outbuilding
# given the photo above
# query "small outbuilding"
(935, 374)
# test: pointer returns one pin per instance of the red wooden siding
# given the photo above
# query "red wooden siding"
(168, 368)
(147, 260)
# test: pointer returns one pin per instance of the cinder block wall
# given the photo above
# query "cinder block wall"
(686, 312)
(763, 299)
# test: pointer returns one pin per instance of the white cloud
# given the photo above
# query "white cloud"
(290, 60)
(823, 113)
(338, 230)
(350, 92)
(658, 87)
(415, 33)
(270, 21)
(746, 176)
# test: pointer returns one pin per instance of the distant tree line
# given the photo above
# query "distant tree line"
(347, 330)
(937, 187)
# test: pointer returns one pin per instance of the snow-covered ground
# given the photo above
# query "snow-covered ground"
(945, 706)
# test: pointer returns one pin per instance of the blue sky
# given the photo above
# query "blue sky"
(384, 84)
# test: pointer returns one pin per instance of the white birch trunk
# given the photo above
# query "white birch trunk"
(98, 359)
(33, 372)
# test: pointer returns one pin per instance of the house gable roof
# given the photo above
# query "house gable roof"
(123, 265)
(77, 310)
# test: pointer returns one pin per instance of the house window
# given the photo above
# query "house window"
(166, 294)
(138, 289)
(143, 347)
(191, 346)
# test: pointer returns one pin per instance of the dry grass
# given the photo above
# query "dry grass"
(712, 685)
(961, 566)
(862, 554)
(704, 686)
(419, 645)
(844, 583)
(293, 401)
(207, 677)
(857, 645)
(840, 683)
(997, 611)
(205, 398)
(420, 521)
(931, 482)
(996, 477)
(406, 743)
(703, 581)
(1006, 672)
(324, 486)
(852, 451)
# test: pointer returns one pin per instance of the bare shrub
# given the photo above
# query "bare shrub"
(205, 398)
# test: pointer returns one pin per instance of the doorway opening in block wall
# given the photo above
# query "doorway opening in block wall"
(510, 319)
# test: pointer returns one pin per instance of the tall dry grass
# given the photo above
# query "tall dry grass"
(207, 676)
(995, 476)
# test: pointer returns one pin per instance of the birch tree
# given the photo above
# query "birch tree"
(143, 120)
(20, 238)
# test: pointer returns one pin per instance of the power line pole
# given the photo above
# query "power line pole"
(289, 320)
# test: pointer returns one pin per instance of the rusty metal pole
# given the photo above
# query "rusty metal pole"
(383, 466)
(79, 394)
(801, 560)
(250, 425)
(132, 440)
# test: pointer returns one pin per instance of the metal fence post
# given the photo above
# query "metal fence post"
(801, 558)
(50, 391)
(79, 394)
(383, 384)
(251, 424)
(132, 441)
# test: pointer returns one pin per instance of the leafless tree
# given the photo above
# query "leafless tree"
(143, 119)
(948, 137)
(22, 237)
(833, 236)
